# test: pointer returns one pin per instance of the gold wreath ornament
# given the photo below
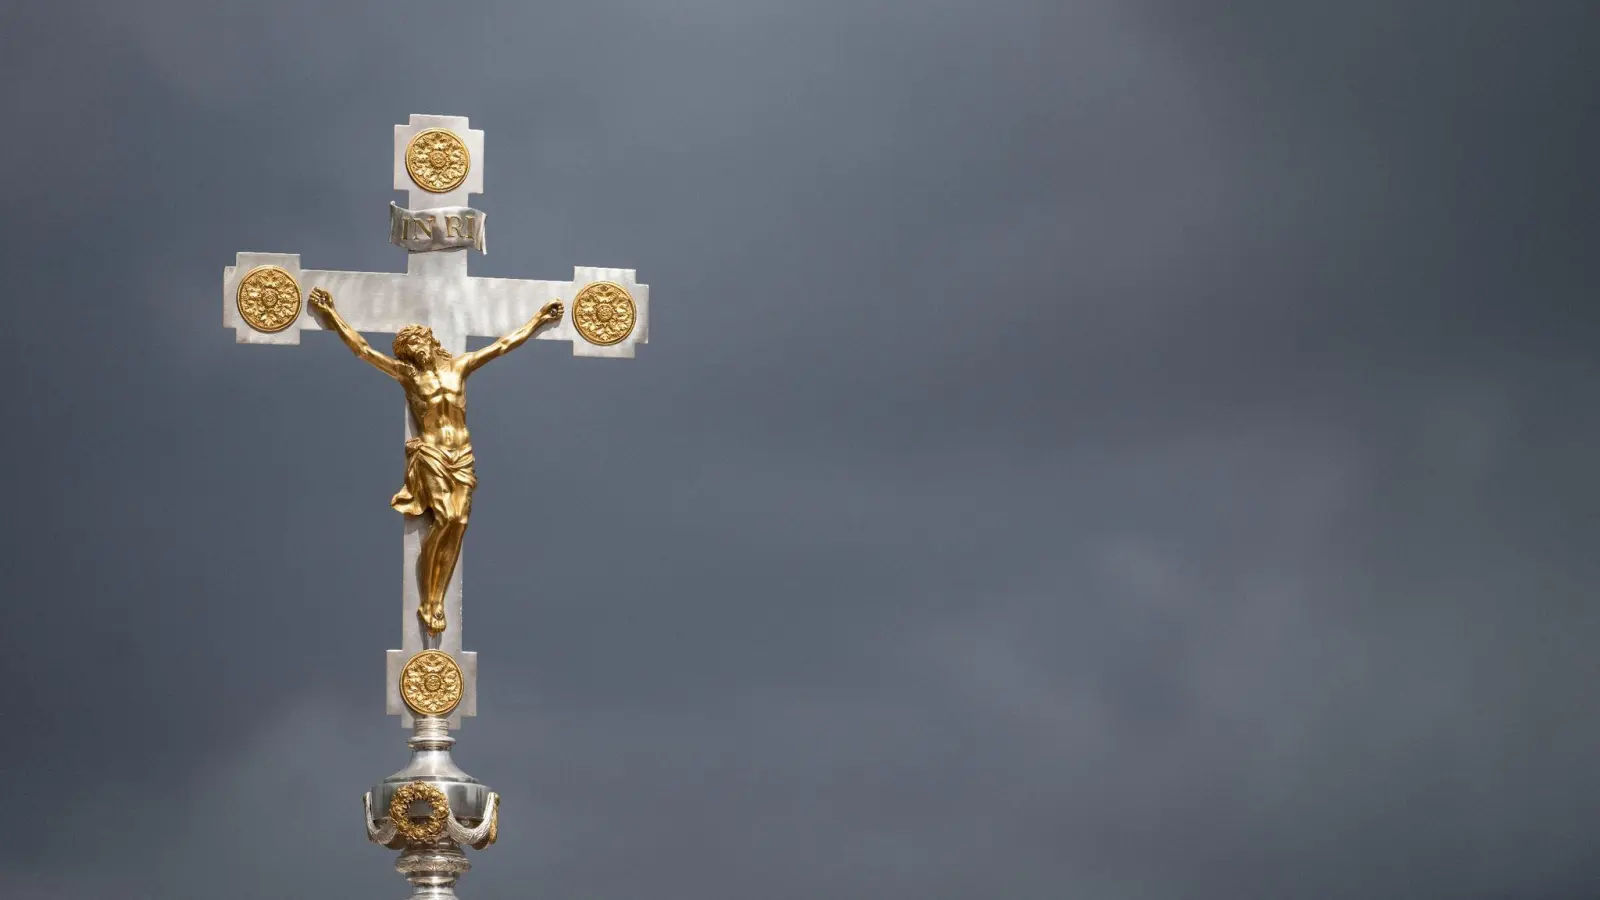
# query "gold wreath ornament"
(431, 826)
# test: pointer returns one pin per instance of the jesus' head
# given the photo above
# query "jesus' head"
(416, 345)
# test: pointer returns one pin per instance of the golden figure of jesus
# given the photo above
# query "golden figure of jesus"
(439, 478)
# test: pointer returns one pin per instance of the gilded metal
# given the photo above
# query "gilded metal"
(419, 830)
(439, 477)
(437, 160)
(604, 312)
(268, 298)
(430, 683)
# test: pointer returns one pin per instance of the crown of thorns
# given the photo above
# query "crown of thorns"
(411, 332)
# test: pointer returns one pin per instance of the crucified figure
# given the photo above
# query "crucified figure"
(439, 478)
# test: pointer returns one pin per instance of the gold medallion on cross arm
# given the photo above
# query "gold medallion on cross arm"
(269, 298)
(604, 313)
(437, 160)
(431, 683)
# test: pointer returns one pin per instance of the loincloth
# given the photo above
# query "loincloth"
(433, 474)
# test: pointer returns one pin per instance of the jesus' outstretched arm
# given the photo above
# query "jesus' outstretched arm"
(322, 303)
(471, 361)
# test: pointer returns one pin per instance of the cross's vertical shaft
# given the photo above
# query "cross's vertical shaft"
(441, 269)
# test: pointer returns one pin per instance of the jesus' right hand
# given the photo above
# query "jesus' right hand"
(321, 301)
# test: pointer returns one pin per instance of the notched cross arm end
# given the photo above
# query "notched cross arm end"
(261, 298)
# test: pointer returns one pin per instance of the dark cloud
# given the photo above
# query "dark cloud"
(1127, 450)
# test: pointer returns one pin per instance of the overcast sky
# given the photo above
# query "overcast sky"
(1108, 449)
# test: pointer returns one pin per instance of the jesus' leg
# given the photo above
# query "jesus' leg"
(446, 551)
(433, 575)
(442, 550)
(448, 555)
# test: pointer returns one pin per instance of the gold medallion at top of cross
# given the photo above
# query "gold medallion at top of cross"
(437, 160)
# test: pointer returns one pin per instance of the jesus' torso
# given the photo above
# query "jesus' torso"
(438, 399)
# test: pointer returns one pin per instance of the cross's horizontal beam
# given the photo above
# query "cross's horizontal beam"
(442, 296)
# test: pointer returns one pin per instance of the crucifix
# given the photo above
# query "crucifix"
(431, 807)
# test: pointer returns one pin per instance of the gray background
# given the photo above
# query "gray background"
(1087, 449)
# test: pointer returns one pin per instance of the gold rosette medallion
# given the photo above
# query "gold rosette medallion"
(269, 298)
(431, 683)
(437, 160)
(603, 312)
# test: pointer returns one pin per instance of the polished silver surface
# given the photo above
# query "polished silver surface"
(431, 763)
(432, 867)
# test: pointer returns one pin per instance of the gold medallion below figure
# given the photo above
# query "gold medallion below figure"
(603, 312)
(437, 160)
(431, 683)
(269, 298)
(439, 478)
(432, 825)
